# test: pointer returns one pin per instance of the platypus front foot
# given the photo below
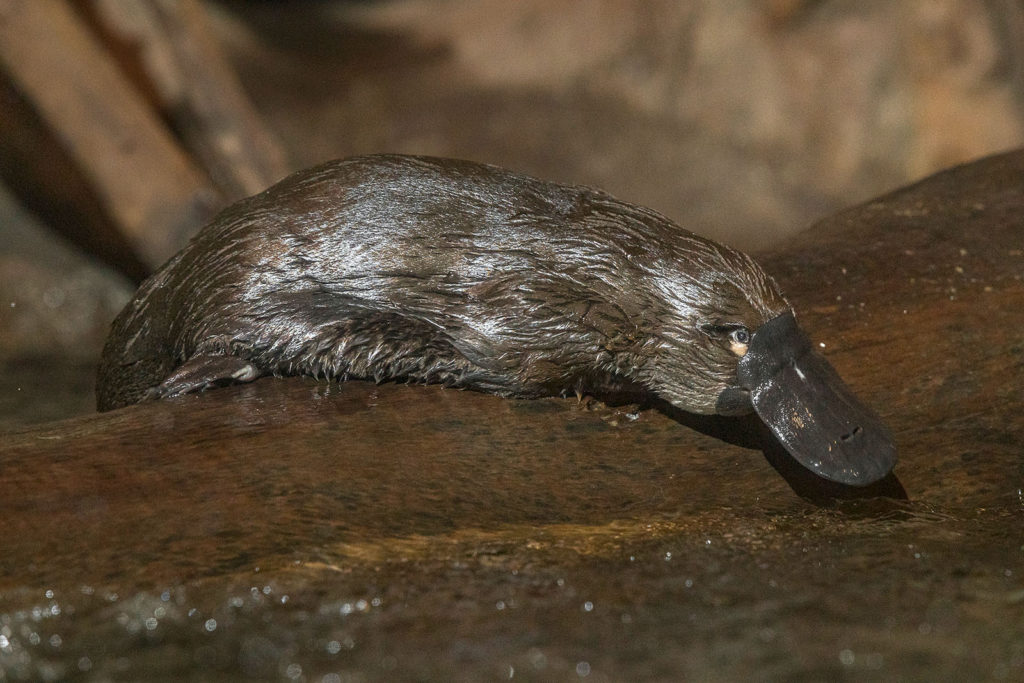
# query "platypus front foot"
(202, 372)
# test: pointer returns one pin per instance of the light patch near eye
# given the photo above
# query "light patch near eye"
(737, 348)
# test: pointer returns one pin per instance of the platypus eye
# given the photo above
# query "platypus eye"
(737, 335)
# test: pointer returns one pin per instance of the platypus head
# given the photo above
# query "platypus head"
(730, 344)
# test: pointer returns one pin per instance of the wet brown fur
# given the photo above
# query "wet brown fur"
(436, 270)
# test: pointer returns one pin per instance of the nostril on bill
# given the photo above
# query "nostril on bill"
(852, 434)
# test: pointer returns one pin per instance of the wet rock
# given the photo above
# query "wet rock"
(300, 529)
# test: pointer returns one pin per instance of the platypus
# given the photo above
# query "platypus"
(419, 269)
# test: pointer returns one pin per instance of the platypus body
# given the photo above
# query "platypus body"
(436, 270)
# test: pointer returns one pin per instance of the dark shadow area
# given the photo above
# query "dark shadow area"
(750, 432)
(320, 34)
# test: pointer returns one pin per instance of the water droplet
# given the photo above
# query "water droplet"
(846, 657)
(333, 647)
(582, 669)
(873, 660)
(588, 606)
(210, 625)
(54, 297)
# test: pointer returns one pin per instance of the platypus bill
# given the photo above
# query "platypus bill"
(436, 270)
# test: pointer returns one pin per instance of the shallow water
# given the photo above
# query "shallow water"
(297, 530)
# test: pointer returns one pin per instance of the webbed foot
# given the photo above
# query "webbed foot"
(203, 372)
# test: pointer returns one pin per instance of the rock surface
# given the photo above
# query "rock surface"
(301, 530)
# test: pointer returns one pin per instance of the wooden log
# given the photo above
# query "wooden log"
(168, 45)
(98, 128)
(37, 168)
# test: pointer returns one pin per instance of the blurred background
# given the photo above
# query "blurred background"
(124, 126)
